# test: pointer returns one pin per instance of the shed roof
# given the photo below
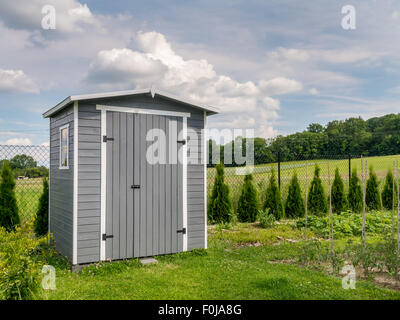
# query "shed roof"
(61, 105)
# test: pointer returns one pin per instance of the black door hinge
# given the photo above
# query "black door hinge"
(183, 231)
(182, 141)
(135, 186)
(105, 237)
(105, 139)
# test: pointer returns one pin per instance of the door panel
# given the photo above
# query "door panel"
(143, 221)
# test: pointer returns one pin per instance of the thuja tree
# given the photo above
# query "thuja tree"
(294, 206)
(317, 203)
(339, 200)
(42, 216)
(9, 218)
(387, 192)
(220, 207)
(248, 201)
(372, 197)
(273, 200)
(355, 193)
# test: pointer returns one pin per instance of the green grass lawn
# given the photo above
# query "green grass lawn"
(225, 271)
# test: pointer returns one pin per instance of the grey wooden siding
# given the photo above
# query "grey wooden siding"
(90, 171)
(61, 184)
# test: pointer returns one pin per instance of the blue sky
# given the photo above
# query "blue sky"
(274, 66)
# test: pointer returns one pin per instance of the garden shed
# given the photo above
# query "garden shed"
(127, 175)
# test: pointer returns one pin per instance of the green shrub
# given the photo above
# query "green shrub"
(248, 201)
(339, 200)
(355, 193)
(19, 273)
(220, 207)
(294, 207)
(273, 200)
(266, 220)
(9, 218)
(42, 216)
(317, 203)
(387, 192)
(372, 197)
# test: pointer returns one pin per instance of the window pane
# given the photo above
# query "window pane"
(64, 148)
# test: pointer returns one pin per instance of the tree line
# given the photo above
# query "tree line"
(26, 166)
(376, 136)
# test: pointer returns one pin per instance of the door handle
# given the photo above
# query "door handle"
(135, 186)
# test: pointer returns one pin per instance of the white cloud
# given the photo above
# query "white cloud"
(19, 141)
(70, 14)
(280, 85)
(45, 144)
(313, 91)
(154, 62)
(16, 81)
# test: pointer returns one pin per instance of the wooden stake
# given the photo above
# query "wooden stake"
(398, 216)
(363, 195)
(394, 195)
(330, 209)
(305, 239)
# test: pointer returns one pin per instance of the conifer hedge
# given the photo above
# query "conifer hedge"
(9, 218)
(248, 201)
(294, 207)
(273, 200)
(355, 193)
(317, 202)
(372, 196)
(339, 200)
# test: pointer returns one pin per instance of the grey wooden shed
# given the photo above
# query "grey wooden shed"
(111, 197)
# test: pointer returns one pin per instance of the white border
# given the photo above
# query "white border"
(75, 198)
(205, 159)
(103, 210)
(184, 181)
(103, 184)
(66, 126)
(143, 111)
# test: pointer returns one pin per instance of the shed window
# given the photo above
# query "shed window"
(64, 142)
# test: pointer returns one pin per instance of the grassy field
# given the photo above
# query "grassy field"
(28, 193)
(229, 269)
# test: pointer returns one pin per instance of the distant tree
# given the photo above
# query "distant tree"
(273, 200)
(9, 218)
(248, 201)
(294, 207)
(355, 193)
(317, 203)
(387, 192)
(372, 198)
(315, 128)
(220, 207)
(42, 216)
(22, 161)
(339, 200)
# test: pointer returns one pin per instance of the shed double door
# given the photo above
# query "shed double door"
(144, 200)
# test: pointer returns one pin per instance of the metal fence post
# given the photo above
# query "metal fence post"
(349, 170)
(279, 169)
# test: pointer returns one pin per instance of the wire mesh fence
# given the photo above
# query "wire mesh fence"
(30, 164)
(284, 171)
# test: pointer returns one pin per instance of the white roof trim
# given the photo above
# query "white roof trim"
(153, 91)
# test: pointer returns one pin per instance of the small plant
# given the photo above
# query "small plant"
(365, 257)
(248, 201)
(266, 220)
(355, 193)
(317, 203)
(294, 207)
(387, 251)
(339, 200)
(273, 200)
(42, 216)
(19, 273)
(387, 192)
(220, 207)
(9, 218)
(372, 197)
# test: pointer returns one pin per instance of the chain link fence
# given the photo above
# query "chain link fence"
(304, 168)
(30, 164)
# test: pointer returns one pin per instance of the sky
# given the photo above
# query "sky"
(275, 66)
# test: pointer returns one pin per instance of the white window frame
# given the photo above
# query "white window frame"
(59, 162)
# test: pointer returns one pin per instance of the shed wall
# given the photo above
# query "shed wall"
(89, 170)
(61, 184)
